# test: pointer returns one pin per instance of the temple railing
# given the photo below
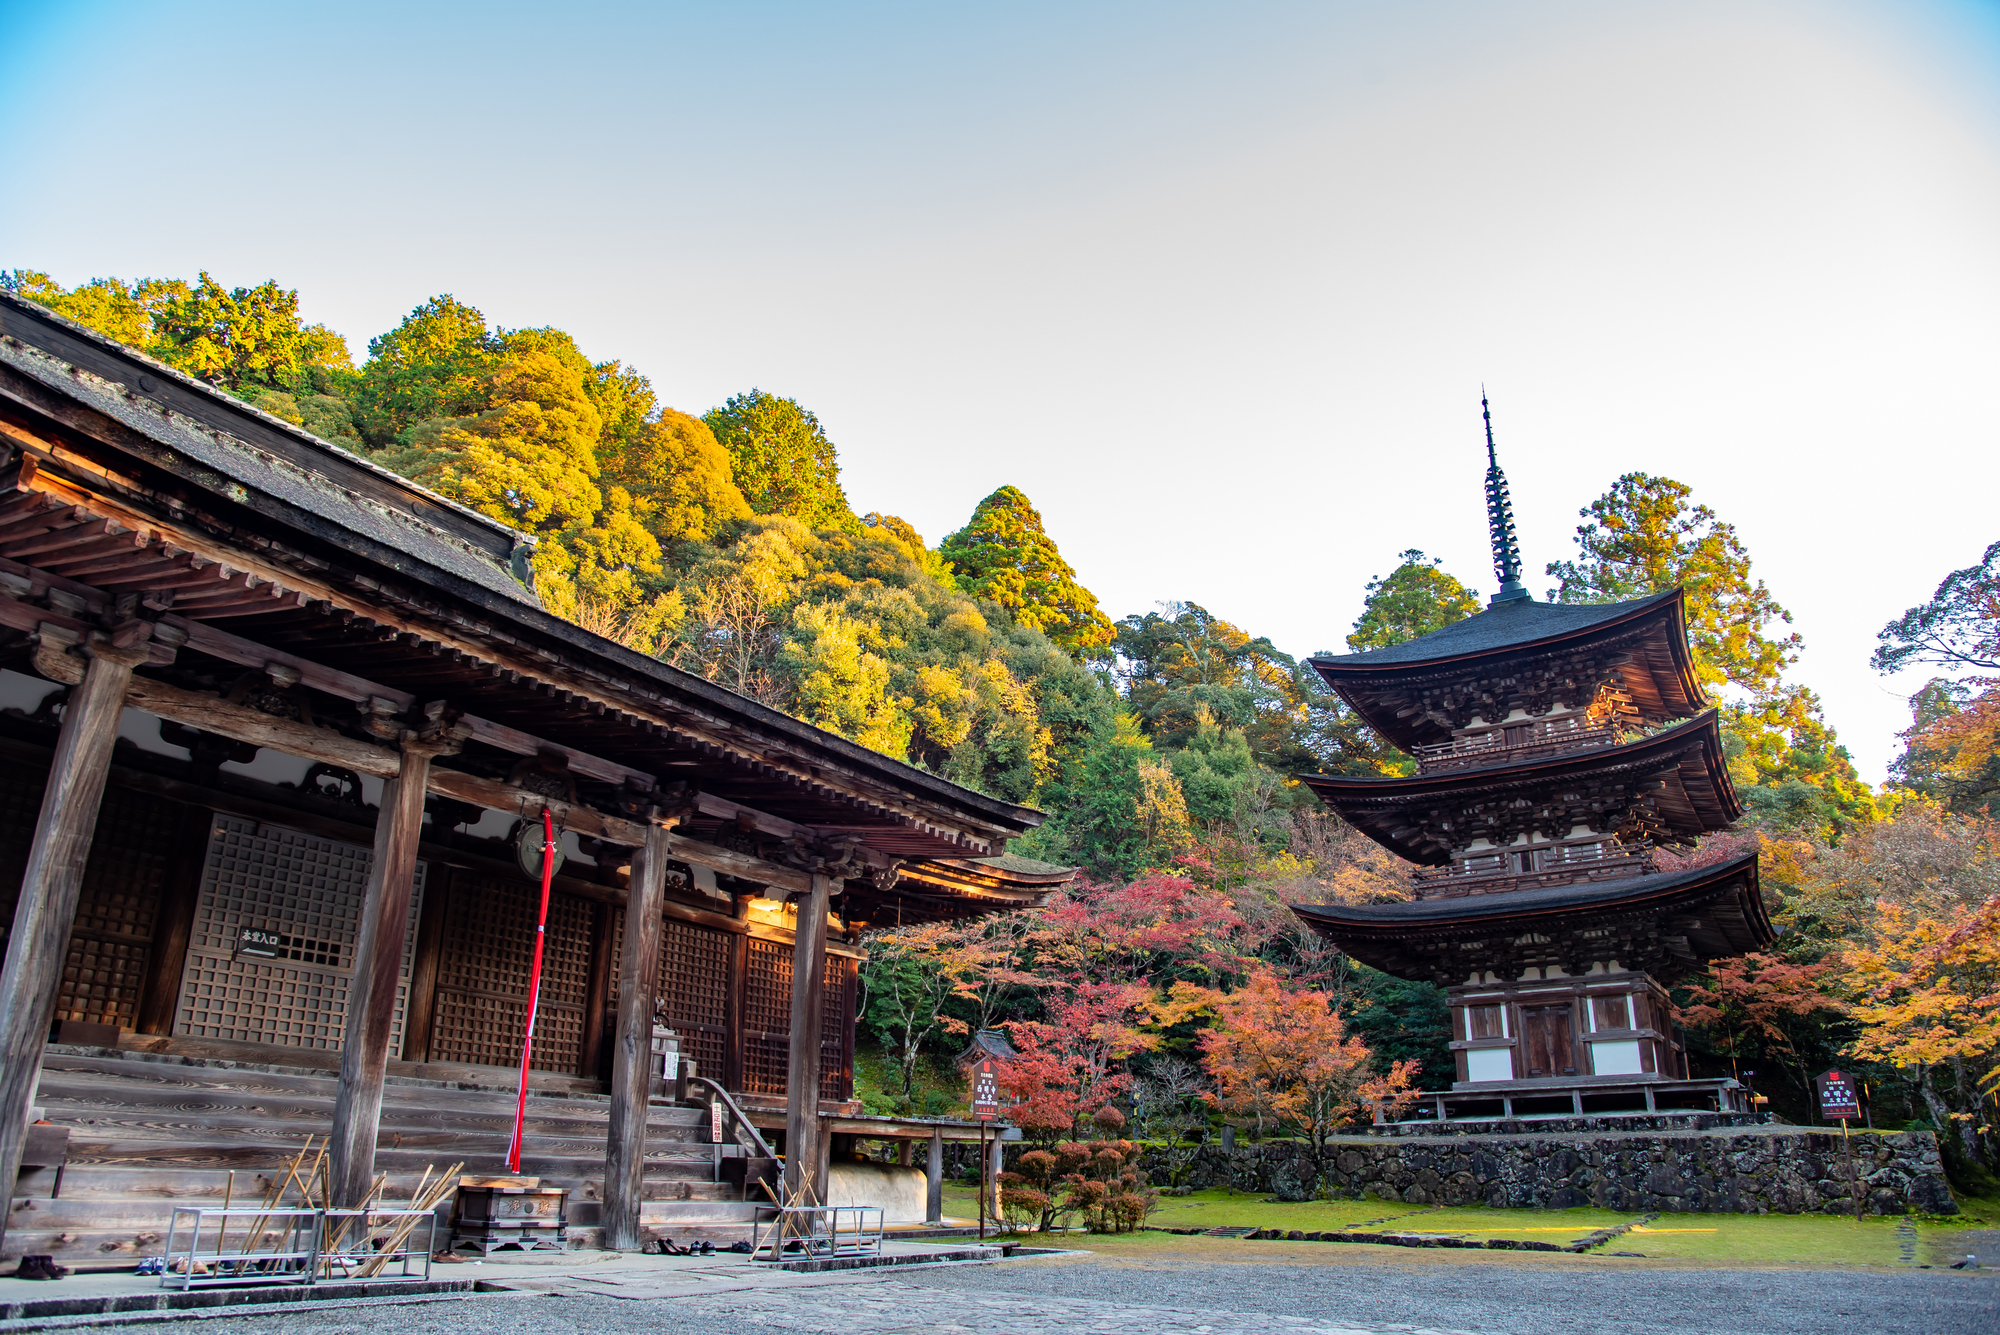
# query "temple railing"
(1495, 877)
(1466, 754)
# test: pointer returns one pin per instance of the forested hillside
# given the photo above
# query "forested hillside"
(1163, 745)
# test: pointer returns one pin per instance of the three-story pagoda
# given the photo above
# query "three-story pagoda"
(1561, 749)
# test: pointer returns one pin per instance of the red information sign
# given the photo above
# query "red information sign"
(1838, 1099)
(986, 1090)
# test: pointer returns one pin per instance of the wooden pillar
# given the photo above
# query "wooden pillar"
(632, 1055)
(378, 960)
(53, 879)
(934, 1180)
(802, 1142)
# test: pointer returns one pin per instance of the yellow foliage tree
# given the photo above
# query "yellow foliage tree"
(679, 480)
(530, 460)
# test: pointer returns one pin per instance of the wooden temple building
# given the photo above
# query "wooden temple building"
(1560, 749)
(278, 728)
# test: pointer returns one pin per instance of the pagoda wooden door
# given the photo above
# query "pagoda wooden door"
(1548, 1041)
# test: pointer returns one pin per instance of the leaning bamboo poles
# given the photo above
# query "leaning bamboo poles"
(369, 1251)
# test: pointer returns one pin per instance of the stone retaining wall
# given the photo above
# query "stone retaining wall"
(1768, 1170)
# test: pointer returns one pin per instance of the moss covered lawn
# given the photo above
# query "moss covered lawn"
(1724, 1238)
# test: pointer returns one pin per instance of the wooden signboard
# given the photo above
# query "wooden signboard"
(986, 1090)
(1838, 1098)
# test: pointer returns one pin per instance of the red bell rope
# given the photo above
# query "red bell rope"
(534, 988)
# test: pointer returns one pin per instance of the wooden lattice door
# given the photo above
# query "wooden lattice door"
(303, 890)
(767, 1017)
(697, 968)
(482, 986)
(1549, 1041)
(836, 1030)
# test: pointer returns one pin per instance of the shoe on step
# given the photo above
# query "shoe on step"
(54, 1271)
(31, 1267)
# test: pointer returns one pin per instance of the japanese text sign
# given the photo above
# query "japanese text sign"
(985, 1091)
(1838, 1099)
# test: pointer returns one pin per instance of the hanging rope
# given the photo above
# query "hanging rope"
(534, 987)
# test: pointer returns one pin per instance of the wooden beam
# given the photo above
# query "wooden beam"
(244, 724)
(378, 960)
(745, 865)
(498, 796)
(631, 1059)
(802, 1122)
(50, 886)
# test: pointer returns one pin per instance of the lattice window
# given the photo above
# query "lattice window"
(836, 1030)
(695, 976)
(298, 886)
(482, 992)
(131, 857)
(767, 1017)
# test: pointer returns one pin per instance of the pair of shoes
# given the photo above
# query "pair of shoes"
(738, 1247)
(151, 1265)
(40, 1267)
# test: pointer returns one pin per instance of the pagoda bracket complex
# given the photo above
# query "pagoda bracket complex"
(1563, 753)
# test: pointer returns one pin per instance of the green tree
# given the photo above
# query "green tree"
(1644, 538)
(1410, 602)
(1004, 555)
(243, 336)
(241, 339)
(107, 305)
(530, 460)
(438, 363)
(781, 460)
(1952, 747)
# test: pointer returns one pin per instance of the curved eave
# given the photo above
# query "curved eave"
(1364, 684)
(1699, 797)
(1400, 937)
(946, 889)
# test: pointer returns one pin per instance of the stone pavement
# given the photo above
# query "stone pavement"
(896, 1307)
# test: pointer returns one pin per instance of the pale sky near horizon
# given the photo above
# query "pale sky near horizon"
(1216, 285)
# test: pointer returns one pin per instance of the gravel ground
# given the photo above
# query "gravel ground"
(1188, 1295)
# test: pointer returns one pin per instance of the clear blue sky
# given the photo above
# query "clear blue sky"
(1216, 285)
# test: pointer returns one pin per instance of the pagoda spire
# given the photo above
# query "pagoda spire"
(1500, 521)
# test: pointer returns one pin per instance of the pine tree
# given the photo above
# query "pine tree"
(1006, 556)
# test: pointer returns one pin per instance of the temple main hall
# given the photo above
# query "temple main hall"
(1567, 760)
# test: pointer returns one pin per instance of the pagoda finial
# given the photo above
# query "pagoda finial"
(1500, 521)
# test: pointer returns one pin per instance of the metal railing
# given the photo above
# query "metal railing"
(253, 1245)
(1461, 754)
(746, 1132)
(817, 1230)
(269, 1247)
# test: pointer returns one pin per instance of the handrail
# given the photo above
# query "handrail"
(742, 1122)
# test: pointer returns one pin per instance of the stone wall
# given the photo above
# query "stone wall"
(1768, 1170)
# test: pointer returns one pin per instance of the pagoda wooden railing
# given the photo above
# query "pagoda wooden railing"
(1458, 879)
(1465, 754)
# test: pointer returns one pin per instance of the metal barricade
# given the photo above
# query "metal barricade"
(239, 1246)
(376, 1244)
(824, 1230)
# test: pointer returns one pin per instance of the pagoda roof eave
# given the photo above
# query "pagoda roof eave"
(1369, 682)
(1367, 802)
(1423, 936)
